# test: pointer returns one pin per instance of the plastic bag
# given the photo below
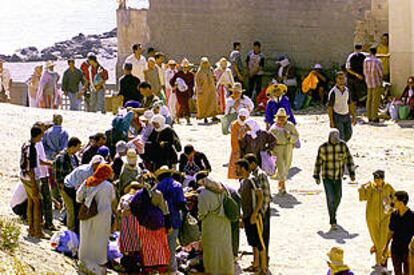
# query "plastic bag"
(66, 242)
(268, 163)
(404, 112)
(394, 111)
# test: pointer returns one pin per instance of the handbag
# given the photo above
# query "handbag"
(226, 121)
(231, 208)
(268, 163)
(189, 231)
(85, 213)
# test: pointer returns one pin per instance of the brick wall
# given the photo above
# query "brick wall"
(309, 31)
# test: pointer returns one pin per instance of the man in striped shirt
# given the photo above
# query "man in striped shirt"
(332, 158)
(373, 72)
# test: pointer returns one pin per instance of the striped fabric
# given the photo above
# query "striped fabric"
(155, 252)
(373, 72)
(128, 237)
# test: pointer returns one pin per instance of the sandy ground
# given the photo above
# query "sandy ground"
(299, 223)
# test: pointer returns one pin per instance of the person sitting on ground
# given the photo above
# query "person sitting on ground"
(277, 99)
(285, 74)
(336, 262)
(91, 150)
(129, 85)
(407, 97)
(320, 92)
(192, 161)
(18, 202)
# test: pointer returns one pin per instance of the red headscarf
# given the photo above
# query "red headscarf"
(101, 174)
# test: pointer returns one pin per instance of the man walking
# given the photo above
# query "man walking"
(71, 81)
(255, 63)
(236, 62)
(341, 106)
(128, 85)
(138, 61)
(373, 73)
(355, 68)
(332, 157)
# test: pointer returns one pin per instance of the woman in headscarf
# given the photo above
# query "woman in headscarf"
(216, 229)
(151, 211)
(33, 85)
(95, 231)
(224, 81)
(256, 141)
(238, 130)
(183, 85)
(286, 136)
(206, 92)
(163, 144)
(48, 95)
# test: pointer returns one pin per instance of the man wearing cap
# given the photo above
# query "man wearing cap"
(355, 69)
(138, 61)
(333, 156)
(71, 183)
(129, 85)
(47, 96)
(341, 108)
(174, 195)
(129, 172)
(97, 141)
(5, 82)
(373, 72)
(379, 196)
(71, 81)
(336, 262)
(121, 151)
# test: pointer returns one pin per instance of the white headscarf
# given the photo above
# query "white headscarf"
(243, 112)
(160, 119)
(254, 127)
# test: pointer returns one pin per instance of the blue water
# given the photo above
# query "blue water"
(41, 23)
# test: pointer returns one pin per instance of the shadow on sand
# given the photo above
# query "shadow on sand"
(285, 201)
(293, 172)
(339, 235)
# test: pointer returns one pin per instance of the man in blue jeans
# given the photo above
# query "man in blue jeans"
(341, 108)
(332, 158)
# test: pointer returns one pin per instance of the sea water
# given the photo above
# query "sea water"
(41, 23)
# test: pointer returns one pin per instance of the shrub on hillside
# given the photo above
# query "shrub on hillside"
(9, 234)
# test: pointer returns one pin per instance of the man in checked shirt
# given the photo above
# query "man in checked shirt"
(332, 158)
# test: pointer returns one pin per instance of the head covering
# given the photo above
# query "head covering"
(50, 64)
(134, 185)
(97, 159)
(379, 174)
(101, 174)
(318, 66)
(172, 62)
(334, 136)
(237, 87)
(223, 60)
(160, 119)
(103, 151)
(162, 170)
(275, 87)
(410, 80)
(147, 115)
(283, 62)
(151, 59)
(121, 146)
(132, 156)
(281, 113)
(336, 259)
(243, 112)
(254, 127)
(185, 63)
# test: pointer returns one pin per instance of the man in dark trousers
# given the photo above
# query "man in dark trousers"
(355, 69)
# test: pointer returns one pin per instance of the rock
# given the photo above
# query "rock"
(15, 58)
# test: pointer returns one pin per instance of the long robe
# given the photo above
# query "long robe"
(224, 80)
(166, 155)
(206, 95)
(237, 132)
(95, 232)
(183, 98)
(215, 234)
(378, 217)
(263, 142)
(285, 139)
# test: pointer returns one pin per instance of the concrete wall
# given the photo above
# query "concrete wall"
(309, 31)
(401, 24)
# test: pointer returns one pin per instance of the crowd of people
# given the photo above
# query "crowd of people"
(138, 179)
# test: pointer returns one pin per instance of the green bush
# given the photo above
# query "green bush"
(9, 234)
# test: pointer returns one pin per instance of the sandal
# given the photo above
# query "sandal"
(252, 268)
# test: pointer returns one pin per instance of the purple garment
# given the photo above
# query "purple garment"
(174, 195)
(345, 272)
(133, 104)
(147, 214)
(274, 105)
(55, 140)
